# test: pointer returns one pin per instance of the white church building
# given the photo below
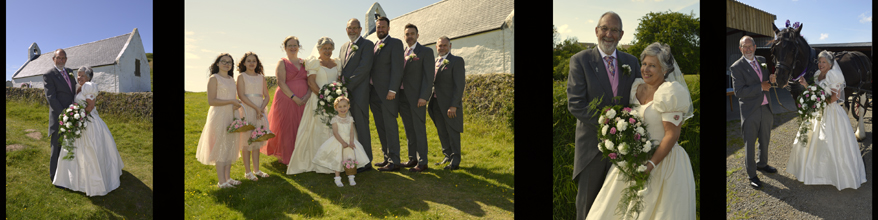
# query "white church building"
(481, 31)
(119, 64)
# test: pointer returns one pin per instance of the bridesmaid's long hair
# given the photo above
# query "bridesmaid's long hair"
(242, 67)
(215, 69)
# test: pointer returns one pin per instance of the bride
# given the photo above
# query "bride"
(313, 132)
(96, 165)
(664, 104)
(832, 155)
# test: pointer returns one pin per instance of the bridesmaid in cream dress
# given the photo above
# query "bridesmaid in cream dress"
(216, 145)
(313, 131)
(253, 91)
(664, 104)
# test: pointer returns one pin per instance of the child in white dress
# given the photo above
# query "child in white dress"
(253, 91)
(343, 145)
(217, 146)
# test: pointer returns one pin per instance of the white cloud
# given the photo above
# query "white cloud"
(823, 36)
(563, 29)
(864, 19)
(192, 56)
(590, 21)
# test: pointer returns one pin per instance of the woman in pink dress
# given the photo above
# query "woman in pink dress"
(289, 102)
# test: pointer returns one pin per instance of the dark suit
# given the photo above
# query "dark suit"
(418, 84)
(60, 96)
(448, 88)
(756, 119)
(588, 80)
(387, 75)
(355, 70)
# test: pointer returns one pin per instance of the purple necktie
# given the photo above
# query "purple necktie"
(64, 73)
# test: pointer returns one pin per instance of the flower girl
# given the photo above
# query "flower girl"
(343, 145)
(217, 146)
(253, 91)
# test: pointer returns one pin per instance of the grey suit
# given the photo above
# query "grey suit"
(448, 88)
(418, 83)
(355, 70)
(756, 119)
(60, 96)
(387, 75)
(586, 81)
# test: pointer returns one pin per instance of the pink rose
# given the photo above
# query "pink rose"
(321, 96)
(821, 93)
(613, 156)
(806, 95)
(636, 136)
(613, 130)
(800, 105)
(632, 121)
(626, 109)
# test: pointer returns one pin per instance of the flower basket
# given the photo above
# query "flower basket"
(259, 135)
(350, 166)
(349, 172)
(240, 125)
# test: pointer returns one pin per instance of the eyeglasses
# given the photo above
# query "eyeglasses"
(613, 30)
(291, 46)
(226, 62)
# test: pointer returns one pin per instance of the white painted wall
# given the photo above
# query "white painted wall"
(489, 52)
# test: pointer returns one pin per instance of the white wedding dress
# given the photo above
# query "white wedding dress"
(670, 193)
(96, 166)
(832, 155)
(312, 131)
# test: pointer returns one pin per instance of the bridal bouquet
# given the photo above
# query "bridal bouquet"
(260, 134)
(327, 96)
(624, 140)
(350, 166)
(810, 104)
(72, 122)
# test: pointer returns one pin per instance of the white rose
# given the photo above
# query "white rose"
(604, 130)
(621, 126)
(83, 115)
(601, 119)
(328, 98)
(623, 148)
(62, 130)
(814, 113)
(322, 103)
(65, 118)
(76, 116)
(608, 144)
(326, 92)
(643, 139)
(68, 110)
(801, 100)
(68, 124)
(800, 112)
(621, 164)
(599, 148)
(75, 107)
(611, 113)
(641, 168)
(84, 124)
(813, 98)
(77, 132)
(647, 147)
(639, 130)
(813, 88)
(638, 124)
(338, 91)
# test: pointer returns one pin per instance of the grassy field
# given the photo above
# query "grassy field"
(31, 195)
(483, 187)
(564, 129)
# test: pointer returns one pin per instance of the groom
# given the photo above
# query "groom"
(751, 84)
(594, 74)
(355, 67)
(59, 87)
(386, 76)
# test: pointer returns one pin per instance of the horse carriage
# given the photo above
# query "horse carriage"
(794, 58)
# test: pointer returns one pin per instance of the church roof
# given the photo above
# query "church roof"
(452, 18)
(98, 53)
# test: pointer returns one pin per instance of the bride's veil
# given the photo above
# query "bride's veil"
(677, 76)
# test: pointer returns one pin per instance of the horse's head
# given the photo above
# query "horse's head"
(787, 51)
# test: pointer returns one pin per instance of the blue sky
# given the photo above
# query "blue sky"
(576, 18)
(80, 22)
(824, 21)
(235, 27)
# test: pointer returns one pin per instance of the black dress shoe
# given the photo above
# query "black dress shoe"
(755, 183)
(381, 164)
(446, 160)
(451, 167)
(419, 168)
(389, 167)
(411, 163)
(767, 169)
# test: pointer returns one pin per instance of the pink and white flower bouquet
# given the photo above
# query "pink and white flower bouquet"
(327, 97)
(71, 124)
(810, 105)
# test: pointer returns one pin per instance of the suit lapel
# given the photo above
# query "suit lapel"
(601, 73)
(60, 76)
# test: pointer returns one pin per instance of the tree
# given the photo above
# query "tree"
(561, 57)
(680, 31)
(554, 35)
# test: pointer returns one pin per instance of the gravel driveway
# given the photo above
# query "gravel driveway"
(782, 196)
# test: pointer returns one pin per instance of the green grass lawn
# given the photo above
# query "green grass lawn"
(483, 187)
(31, 195)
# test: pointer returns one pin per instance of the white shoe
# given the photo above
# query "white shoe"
(351, 178)
(234, 182)
(338, 181)
(225, 185)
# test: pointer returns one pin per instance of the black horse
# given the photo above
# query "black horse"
(794, 58)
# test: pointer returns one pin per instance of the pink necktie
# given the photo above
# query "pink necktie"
(64, 73)
(759, 72)
(612, 69)
(407, 53)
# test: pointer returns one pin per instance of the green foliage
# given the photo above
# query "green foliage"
(561, 57)
(680, 31)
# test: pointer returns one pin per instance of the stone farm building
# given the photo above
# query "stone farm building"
(119, 64)
(480, 31)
